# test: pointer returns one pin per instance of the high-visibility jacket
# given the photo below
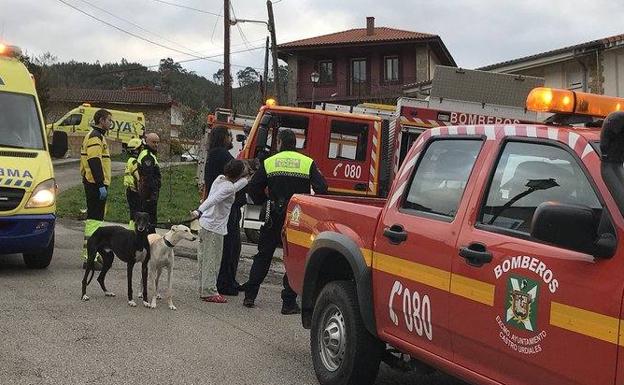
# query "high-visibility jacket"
(149, 175)
(131, 176)
(285, 174)
(95, 162)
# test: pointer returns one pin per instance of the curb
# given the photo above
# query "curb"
(64, 162)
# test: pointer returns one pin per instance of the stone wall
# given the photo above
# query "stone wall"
(422, 63)
(75, 141)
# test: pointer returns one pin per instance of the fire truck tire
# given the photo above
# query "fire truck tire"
(40, 259)
(252, 235)
(343, 351)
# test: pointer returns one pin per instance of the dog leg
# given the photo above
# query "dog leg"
(158, 295)
(89, 269)
(130, 269)
(153, 286)
(144, 279)
(170, 291)
(107, 259)
(85, 297)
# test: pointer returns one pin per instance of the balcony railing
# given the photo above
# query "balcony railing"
(342, 90)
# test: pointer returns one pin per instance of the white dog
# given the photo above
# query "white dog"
(161, 256)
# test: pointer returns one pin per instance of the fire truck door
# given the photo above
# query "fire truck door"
(544, 312)
(351, 157)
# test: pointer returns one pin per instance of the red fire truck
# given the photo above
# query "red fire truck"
(359, 148)
(495, 257)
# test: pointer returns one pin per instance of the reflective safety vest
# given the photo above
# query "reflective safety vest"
(144, 153)
(288, 163)
(94, 146)
(131, 176)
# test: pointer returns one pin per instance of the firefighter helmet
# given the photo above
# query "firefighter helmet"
(134, 144)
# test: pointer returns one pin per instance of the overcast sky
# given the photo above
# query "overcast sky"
(476, 32)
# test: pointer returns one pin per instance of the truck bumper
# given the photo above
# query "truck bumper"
(25, 233)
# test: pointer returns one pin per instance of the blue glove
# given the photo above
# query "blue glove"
(103, 193)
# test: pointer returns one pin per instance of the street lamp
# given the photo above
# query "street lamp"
(233, 22)
(314, 77)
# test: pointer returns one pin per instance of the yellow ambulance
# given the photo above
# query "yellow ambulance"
(125, 125)
(27, 186)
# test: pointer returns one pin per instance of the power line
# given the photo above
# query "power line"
(127, 32)
(240, 30)
(139, 27)
(185, 61)
(189, 8)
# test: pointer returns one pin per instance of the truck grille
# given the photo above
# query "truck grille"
(10, 198)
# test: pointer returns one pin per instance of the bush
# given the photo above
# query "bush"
(176, 148)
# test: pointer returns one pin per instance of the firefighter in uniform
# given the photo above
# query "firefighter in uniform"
(149, 178)
(95, 168)
(284, 174)
(131, 179)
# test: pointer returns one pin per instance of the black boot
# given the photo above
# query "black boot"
(288, 309)
(248, 302)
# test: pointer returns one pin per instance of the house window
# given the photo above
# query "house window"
(358, 71)
(326, 71)
(391, 68)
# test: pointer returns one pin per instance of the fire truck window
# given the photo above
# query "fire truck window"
(439, 181)
(298, 124)
(348, 140)
(72, 120)
(529, 174)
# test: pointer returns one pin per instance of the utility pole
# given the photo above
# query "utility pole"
(266, 71)
(276, 86)
(227, 79)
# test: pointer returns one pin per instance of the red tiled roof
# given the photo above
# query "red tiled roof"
(605, 42)
(358, 36)
(127, 96)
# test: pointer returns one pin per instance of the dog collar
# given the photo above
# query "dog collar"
(167, 243)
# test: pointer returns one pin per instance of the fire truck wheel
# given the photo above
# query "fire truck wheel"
(343, 351)
(40, 259)
(252, 235)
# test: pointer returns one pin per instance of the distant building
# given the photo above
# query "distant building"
(596, 66)
(366, 64)
(162, 114)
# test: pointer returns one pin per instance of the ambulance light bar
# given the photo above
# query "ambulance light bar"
(554, 100)
(9, 50)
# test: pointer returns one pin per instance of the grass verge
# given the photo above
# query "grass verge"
(178, 196)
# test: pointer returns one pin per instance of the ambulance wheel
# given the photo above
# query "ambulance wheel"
(252, 235)
(343, 351)
(40, 259)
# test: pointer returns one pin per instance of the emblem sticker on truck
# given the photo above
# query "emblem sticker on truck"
(522, 303)
(519, 329)
(295, 215)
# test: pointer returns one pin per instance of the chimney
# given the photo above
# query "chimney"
(370, 26)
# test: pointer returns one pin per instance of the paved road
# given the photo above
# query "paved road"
(48, 336)
(68, 175)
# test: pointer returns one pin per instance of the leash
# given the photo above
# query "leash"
(171, 222)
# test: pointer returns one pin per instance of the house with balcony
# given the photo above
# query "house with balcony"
(360, 65)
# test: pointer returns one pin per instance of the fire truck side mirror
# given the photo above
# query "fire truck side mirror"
(573, 227)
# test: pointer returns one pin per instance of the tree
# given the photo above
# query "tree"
(168, 64)
(219, 76)
(38, 66)
(247, 76)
